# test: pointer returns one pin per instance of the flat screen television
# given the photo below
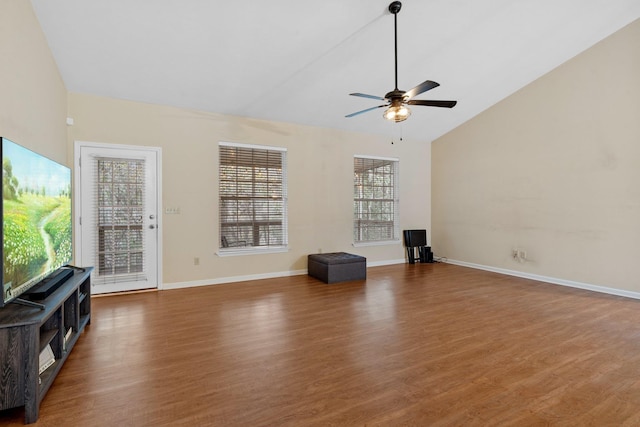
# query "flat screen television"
(36, 219)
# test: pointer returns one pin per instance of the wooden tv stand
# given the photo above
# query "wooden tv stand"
(26, 331)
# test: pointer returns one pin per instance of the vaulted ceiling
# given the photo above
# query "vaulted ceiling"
(296, 61)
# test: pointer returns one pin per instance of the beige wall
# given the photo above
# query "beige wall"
(320, 170)
(554, 170)
(33, 98)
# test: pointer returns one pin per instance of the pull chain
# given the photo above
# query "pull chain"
(399, 124)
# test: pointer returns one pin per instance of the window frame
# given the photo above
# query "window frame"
(393, 200)
(234, 248)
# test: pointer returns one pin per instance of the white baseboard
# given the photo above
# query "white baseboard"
(221, 280)
(386, 262)
(552, 280)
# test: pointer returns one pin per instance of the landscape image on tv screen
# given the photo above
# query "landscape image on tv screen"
(36, 217)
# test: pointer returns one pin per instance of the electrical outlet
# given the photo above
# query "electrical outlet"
(514, 253)
(522, 255)
(196, 261)
(171, 211)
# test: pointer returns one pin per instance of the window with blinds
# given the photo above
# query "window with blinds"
(119, 213)
(253, 197)
(375, 199)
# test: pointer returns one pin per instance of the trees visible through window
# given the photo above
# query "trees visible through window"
(253, 203)
(120, 206)
(375, 199)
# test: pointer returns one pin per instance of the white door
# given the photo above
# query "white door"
(117, 206)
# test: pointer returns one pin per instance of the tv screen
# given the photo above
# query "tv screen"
(36, 218)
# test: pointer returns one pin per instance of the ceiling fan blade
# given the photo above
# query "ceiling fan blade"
(421, 88)
(364, 95)
(445, 104)
(364, 111)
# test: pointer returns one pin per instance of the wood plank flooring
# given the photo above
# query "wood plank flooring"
(414, 345)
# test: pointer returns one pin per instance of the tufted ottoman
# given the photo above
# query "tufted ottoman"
(337, 267)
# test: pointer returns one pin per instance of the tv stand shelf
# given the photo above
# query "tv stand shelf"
(26, 332)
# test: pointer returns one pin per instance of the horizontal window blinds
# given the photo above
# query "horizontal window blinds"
(119, 213)
(375, 201)
(252, 197)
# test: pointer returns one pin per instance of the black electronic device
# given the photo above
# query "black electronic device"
(49, 284)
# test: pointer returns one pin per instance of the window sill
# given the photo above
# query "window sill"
(251, 251)
(377, 243)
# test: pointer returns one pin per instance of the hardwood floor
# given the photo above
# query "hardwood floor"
(423, 345)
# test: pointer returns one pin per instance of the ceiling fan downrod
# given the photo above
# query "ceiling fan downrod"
(395, 8)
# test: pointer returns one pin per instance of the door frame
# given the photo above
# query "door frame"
(77, 197)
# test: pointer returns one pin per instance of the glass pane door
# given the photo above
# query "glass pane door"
(119, 216)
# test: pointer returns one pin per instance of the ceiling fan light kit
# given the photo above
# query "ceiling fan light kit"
(397, 100)
(397, 113)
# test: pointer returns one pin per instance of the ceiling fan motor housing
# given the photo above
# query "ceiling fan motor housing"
(396, 95)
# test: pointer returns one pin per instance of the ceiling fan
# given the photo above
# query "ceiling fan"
(397, 100)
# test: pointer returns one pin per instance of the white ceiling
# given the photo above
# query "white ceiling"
(297, 61)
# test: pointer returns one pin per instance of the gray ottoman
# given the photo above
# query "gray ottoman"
(337, 267)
